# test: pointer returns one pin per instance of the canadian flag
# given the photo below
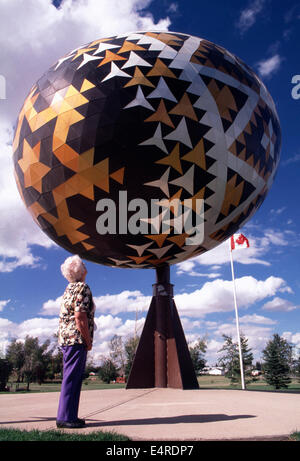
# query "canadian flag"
(239, 241)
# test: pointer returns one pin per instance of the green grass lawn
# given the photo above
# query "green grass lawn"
(205, 382)
(221, 382)
(17, 435)
(55, 386)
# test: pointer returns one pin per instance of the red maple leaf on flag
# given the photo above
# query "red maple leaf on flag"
(239, 241)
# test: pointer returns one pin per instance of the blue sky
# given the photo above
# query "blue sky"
(266, 35)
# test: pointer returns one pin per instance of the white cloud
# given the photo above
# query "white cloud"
(51, 307)
(269, 66)
(294, 159)
(213, 346)
(293, 338)
(107, 325)
(257, 253)
(220, 255)
(44, 33)
(17, 231)
(6, 327)
(33, 35)
(127, 329)
(189, 324)
(278, 211)
(257, 319)
(126, 301)
(210, 325)
(37, 327)
(3, 304)
(217, 296)
(191, 273)
(185, 266)
(277, 238)
(173, 8)
(279, 304)
(249, 15)
(45, 328)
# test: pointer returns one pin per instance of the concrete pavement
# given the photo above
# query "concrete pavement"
(164, 414)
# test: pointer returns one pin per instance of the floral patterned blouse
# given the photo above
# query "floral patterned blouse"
(76, 298)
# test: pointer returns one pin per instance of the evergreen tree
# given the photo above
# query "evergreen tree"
(197, 355)
(277, 359)
(258, 366)
(247, 358)
(230, 360)
(108, 371)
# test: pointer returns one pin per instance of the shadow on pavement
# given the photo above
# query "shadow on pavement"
(192, 419)
(33, 419)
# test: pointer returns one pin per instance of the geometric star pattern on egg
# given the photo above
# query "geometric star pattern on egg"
(165, 117)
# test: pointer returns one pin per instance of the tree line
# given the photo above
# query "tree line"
(277, 366)
(30, 361)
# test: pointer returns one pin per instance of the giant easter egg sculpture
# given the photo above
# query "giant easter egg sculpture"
(116, 146)
(154, 116)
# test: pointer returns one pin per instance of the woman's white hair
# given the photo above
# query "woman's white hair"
(73, 269)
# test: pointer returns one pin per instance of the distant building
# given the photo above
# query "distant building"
(92, 376)
(255, 372)
(216, 371)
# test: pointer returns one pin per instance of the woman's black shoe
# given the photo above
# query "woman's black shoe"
(70, 425)
(81, 421)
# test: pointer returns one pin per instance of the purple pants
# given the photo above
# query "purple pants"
(74, 358)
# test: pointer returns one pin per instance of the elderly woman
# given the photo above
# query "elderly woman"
(75, 336)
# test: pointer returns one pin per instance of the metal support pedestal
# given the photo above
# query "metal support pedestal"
(162, 358)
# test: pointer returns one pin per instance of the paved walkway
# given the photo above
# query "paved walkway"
(165, 414)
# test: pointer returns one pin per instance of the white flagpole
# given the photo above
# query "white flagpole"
(237, 319)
